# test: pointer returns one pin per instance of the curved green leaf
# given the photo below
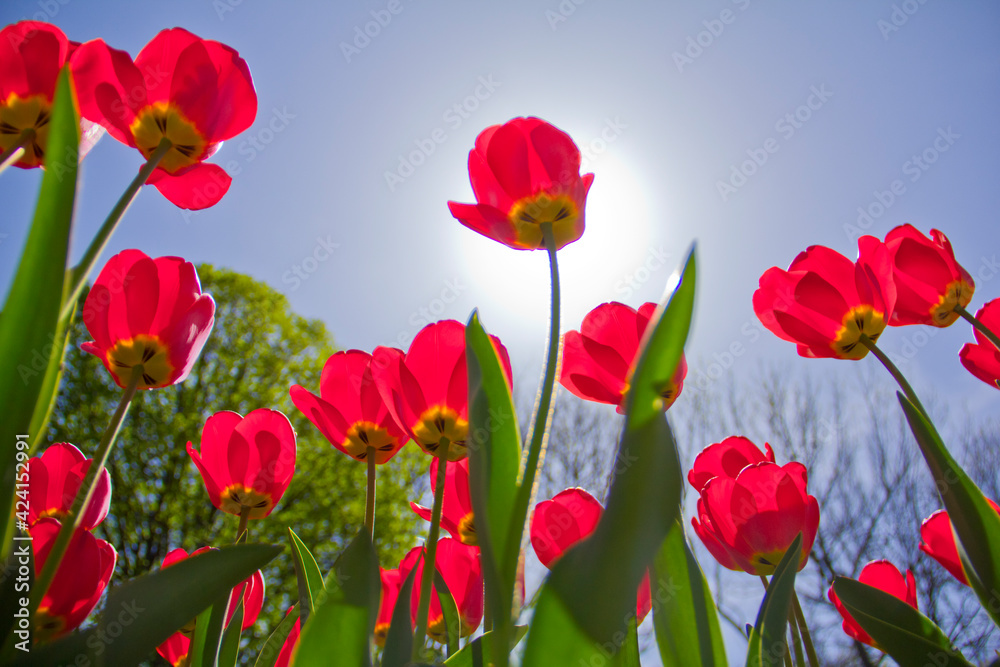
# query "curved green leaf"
(345, 613)
(976, 524)
(494, 462)
(590, 595)
(136, 620)
(476, 652)
(450, 612)
(229, 651)
(30, 321)
(307, 574)
(399, 640)
(767, 637)
(684, 615)
(908, 636)
(272, 647)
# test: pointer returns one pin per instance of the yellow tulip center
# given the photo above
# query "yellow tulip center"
(529, 213)
(234, 498)
(439, 424)
(363, 435)
(47, 627)
(144, 349)
(163, 120)
(467, 530)
(958, 293)
(858, 320)
(30, 113)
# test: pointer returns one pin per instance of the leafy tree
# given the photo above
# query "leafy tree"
(257, 350)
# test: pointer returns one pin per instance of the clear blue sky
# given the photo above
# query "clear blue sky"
(668, 99)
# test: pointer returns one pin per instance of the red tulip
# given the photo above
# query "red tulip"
(83, 574)
(567, 518)
(524, 173)
(982, 358)
(53, 481)
(287, 652)
(288, 648)
(392, 582)
(938, 541)
(246, 462)
(726, 459)
(460, 567)
(351, 413)
(175, 649)
(194, 92)
(929, 282)
(427, 388)
(824, 302)
(884, 576)
(456, 505)
(31, 55)
(598, 360)
(748, 522)
(150, 312)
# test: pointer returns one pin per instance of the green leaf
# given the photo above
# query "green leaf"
(141, 614)
(975, 522)
(272, 647)
(590, 595)
(214, 628)
(767, 637)
(50, 384)
(200, 639)
(31, 313)
(307, 574)
(908, 636)
(475, 653)
(684, 615)
(345, 615)
(452, 623)
(494, 462)
(399, 640)
(229, 652)
(628, 656)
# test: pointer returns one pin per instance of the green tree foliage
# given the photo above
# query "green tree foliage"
(257, 350)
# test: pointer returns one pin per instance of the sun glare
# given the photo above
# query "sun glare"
(604, 265)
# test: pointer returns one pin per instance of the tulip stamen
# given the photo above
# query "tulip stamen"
(439, 425)
(859, 321)
(364, 434)
(530, 213)
(145, 350)
(165, 121)
(25, 120)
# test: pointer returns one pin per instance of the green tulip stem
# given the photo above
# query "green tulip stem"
(370, 494)
(796, 642)
(800, 618)
(979, 326)
(15, 152)
(894, 372)
(244, 524)
(82, 270)
(86, 491)
(430, 550)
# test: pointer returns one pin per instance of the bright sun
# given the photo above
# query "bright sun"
(513, 286)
